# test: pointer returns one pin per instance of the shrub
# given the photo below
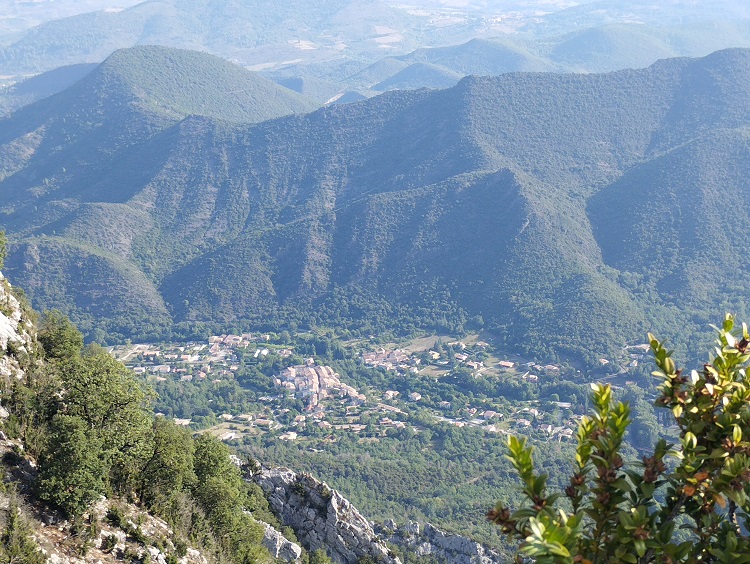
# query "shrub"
(622, 512)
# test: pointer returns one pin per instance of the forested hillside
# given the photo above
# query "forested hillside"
(491, 203)
(77, 430)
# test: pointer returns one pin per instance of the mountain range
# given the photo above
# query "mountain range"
(562, 211)
(337, 42)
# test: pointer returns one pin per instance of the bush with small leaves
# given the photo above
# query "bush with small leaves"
(620, 512)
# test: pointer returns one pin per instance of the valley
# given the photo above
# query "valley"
(401, 403)
(305, 259)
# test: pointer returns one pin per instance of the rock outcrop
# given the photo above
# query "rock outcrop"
(279, 546)
(322, 517)
(431, 541)
(16, 333)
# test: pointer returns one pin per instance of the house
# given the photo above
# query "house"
(390, 394)
(414, 396)
(506, 364)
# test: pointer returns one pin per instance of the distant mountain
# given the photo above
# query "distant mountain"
(124, 101)
(634, 45)
(308, 29)
(21, 16)
(337, 39)
(483, 57)
(616, 46)
(599, 48)
(419, 75)
(41, 86)
(562, 211)
(377, 72)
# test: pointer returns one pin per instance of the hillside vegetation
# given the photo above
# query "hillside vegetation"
(492, 203)
(85, 422)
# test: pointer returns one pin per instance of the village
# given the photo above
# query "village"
(312, 398)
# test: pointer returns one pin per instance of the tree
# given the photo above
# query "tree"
(108, 398)
(17, 545)
(3, 247)
(72, 472)
(620, 512)
(169, 467)
(59, 336)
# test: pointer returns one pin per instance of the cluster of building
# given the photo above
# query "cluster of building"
(314, 383)
(217, 358)
(391, 360)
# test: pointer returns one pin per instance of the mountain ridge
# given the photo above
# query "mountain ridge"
(473, 200)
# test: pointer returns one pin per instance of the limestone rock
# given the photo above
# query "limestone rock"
(279, 546)
(431, 541)
(16, 338)
(322, 517)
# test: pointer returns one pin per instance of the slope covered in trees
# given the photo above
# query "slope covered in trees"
(86, 421)
(490, 202)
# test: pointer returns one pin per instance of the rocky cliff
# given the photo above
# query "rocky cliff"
(428, 540)
(322, 518)
(17, 333)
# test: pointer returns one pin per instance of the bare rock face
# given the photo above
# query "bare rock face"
(429, 540)
(16, 334)
(280, 547)
(322, 517)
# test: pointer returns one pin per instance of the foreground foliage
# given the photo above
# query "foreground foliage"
(695, 510)
(88, 421)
